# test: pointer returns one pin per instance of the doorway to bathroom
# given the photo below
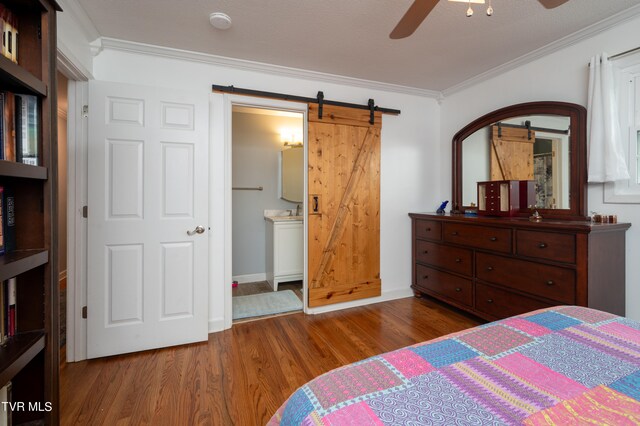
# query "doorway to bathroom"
(267, 179)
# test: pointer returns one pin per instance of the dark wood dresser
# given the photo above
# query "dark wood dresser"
(498, 267)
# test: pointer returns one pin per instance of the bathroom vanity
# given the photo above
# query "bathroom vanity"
(284, 250)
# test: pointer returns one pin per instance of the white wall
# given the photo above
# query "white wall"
(411, 154)
(560, 76)
(255, 155)
(75, 33)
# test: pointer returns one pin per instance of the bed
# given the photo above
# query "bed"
(561, 365)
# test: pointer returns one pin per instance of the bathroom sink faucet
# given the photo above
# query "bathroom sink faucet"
(298, 209)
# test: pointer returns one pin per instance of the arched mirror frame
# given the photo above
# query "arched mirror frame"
(578, 164)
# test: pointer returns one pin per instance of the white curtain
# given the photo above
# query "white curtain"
(605, 154)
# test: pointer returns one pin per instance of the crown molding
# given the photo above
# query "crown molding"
(245, 65)
(553, 47)
(80, 16)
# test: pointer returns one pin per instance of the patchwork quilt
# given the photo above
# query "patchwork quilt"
(561, 365)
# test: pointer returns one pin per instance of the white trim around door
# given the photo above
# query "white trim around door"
(221, 202)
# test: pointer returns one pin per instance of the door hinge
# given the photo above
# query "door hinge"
(85, 211)
(84, 312)
(85, 111)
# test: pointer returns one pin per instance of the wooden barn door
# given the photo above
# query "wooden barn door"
(512, 153)
(344, 205)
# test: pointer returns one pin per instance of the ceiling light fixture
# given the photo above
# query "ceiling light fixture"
(220, 20)
(470, 9)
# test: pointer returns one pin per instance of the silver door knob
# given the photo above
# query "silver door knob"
(199, 230)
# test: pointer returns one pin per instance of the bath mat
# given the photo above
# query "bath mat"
(257, 305)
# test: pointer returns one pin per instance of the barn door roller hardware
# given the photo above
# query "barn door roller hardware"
(527, 125)
(319, 99)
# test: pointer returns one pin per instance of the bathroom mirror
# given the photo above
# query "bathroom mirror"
(540, 141)
(292, 174)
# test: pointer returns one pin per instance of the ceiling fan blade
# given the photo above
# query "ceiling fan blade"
(550, 4)
(413, 18)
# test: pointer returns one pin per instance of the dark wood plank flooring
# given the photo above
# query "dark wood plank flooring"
(242, 375)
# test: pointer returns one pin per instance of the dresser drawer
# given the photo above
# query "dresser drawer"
(430, 229)
(550, 282)
(502, 303)
(484, 237)
(447, 285)
(454, 259)
(547, 245)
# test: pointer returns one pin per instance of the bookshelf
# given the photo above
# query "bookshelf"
(30, 359)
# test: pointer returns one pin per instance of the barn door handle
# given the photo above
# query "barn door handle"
(315, 206)
(199, 230)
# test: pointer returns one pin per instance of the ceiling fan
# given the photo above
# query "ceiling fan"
(419, 10)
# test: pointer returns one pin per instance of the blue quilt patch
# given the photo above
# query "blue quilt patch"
(297, 409)
(553, 320)
(629, 385)
(443, 353)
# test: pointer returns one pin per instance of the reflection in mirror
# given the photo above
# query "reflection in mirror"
(528, 147)
(292, 174)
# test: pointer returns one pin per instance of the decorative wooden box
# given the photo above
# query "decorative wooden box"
(499, 198)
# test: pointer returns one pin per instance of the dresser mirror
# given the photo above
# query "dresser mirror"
(540, 141)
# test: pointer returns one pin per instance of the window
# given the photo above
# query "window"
(628, 78)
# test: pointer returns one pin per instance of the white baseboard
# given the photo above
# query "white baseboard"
(385, 297)
(250, 278)
(216, 324)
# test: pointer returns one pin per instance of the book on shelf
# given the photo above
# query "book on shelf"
(11, 307)
(2, 220)
(8, 214)
(9, 25)
(26, 115)
(3, 312)
(8, 317)
(8, 134)
(5, 411)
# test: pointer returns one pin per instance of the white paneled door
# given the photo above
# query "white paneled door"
(148, 218)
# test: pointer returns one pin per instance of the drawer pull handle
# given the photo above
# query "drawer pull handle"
(489, 268)
(458, 260)
(454, 233)
(426, 252)
(493, 239)
(542, 245)
(425, 277)
(550, 283)
(489, 300)
(458, 289)
(428, 229)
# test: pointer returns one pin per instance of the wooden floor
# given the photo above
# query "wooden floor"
(242, 375)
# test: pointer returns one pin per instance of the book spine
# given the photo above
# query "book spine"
(18, 127)
(12, 307)
(2, 220)
(30, 148)
(3, 312)
(9, 126)
(4, 25)
(2, 135)
(9, 215)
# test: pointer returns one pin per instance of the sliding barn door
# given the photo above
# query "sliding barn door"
(344, 205)
(512, 153)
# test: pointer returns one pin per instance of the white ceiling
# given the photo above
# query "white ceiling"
(351, 37)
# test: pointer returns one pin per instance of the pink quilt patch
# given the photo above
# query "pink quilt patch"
(540, 376)
(408, 363)
(600, 405)
(494, 340)
(353, 415)
(587, 315)
(528, 327)
(622, 331)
